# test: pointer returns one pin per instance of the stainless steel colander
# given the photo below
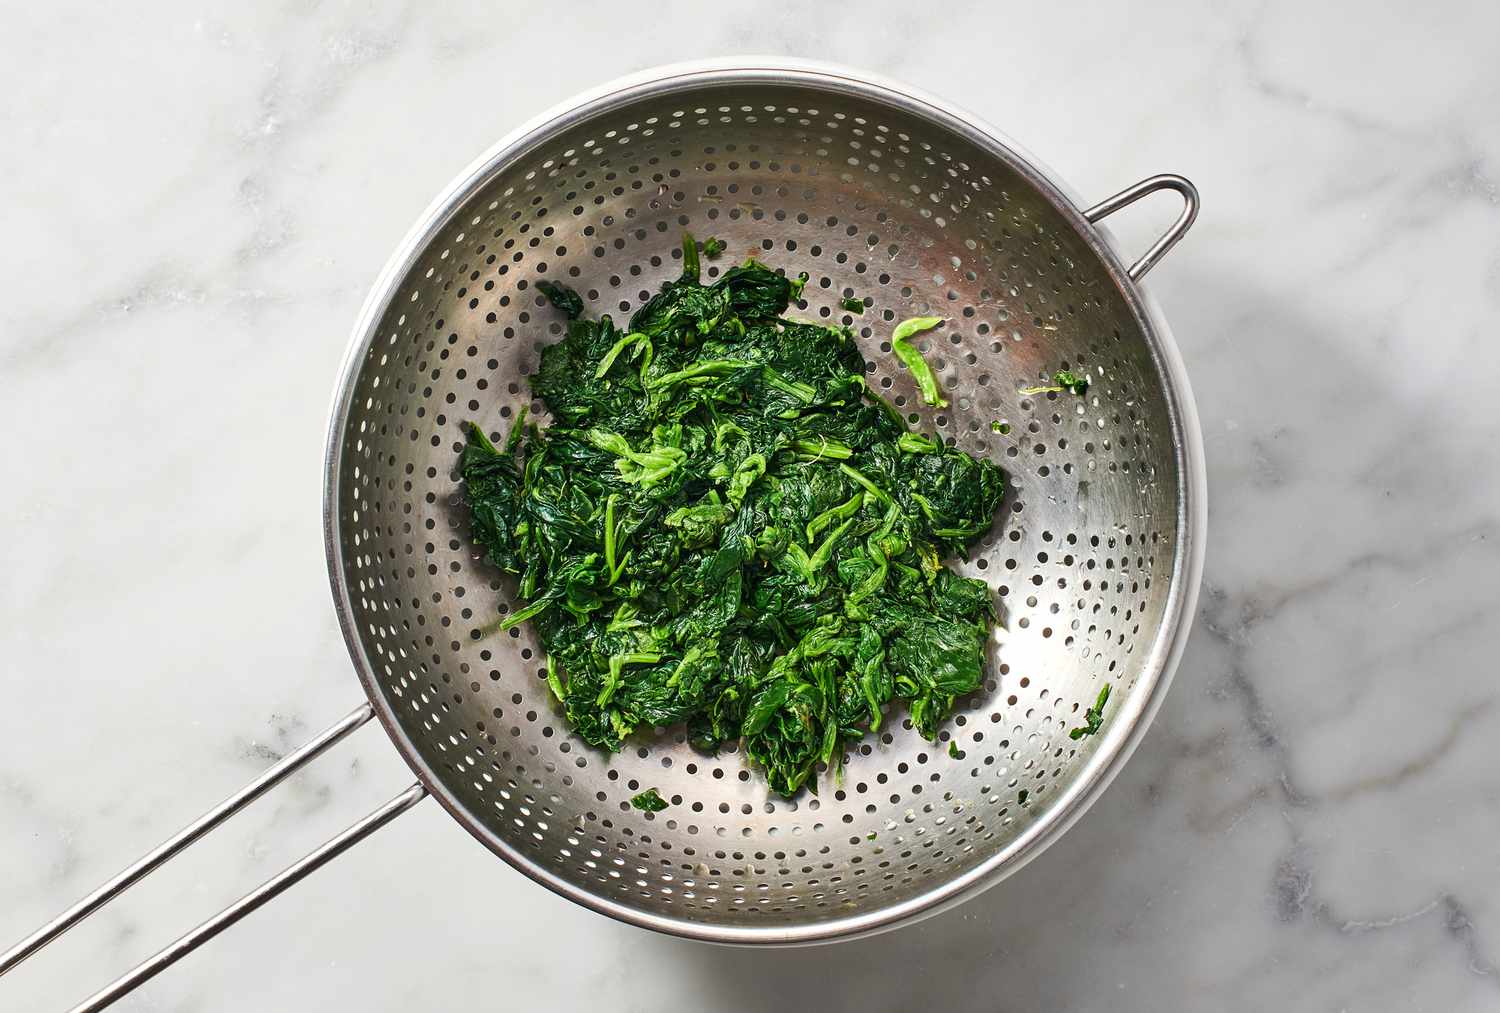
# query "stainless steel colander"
(875, 192)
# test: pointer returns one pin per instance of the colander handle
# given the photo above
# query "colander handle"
(1169, 239)
(169, 848)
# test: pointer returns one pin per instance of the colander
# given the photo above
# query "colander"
(878, 192)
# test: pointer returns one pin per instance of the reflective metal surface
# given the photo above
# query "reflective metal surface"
(875, 192)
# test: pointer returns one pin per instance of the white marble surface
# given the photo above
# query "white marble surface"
(194, 203)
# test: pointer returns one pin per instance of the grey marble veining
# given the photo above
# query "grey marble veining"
(195, 202)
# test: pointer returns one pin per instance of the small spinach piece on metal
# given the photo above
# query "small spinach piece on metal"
(563, 297)
(1093, 718)
(1062, 380)
(649, 801)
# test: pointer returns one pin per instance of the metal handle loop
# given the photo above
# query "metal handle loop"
(283, 880)
(1169, 239)
(170, 848)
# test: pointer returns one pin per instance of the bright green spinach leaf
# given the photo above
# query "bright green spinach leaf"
(1093, 718)
(912, 359)
(1062, 380)
(649, 801)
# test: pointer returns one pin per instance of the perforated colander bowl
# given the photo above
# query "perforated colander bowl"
(877, 193)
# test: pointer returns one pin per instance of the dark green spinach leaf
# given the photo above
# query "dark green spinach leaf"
(563, 297)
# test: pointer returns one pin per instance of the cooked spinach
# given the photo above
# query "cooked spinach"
(724, 527)
(563, 297)
(912, 359)
(649, 801)
(712, 247)
(1062, 380)
(852, 304)
(1071, 382)
(1093, 718)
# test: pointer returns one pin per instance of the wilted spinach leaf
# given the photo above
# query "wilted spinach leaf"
(724, 528)
(912, 358)
(1071, 382)
(649, 801)
(563, 297)
(1093, 718)
(1062, 380)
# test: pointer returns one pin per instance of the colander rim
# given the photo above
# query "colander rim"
(1128, 726)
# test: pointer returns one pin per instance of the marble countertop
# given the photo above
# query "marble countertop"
(194, 205)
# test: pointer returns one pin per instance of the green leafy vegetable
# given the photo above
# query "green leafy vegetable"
(563, 297)
(1062, 380)
(953, 749)
(724, 528)
(1093, 718)
(913, 361)
(852, 304)
(649, 801)
(712, 247)
(1071, 382)
(1000, 427)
